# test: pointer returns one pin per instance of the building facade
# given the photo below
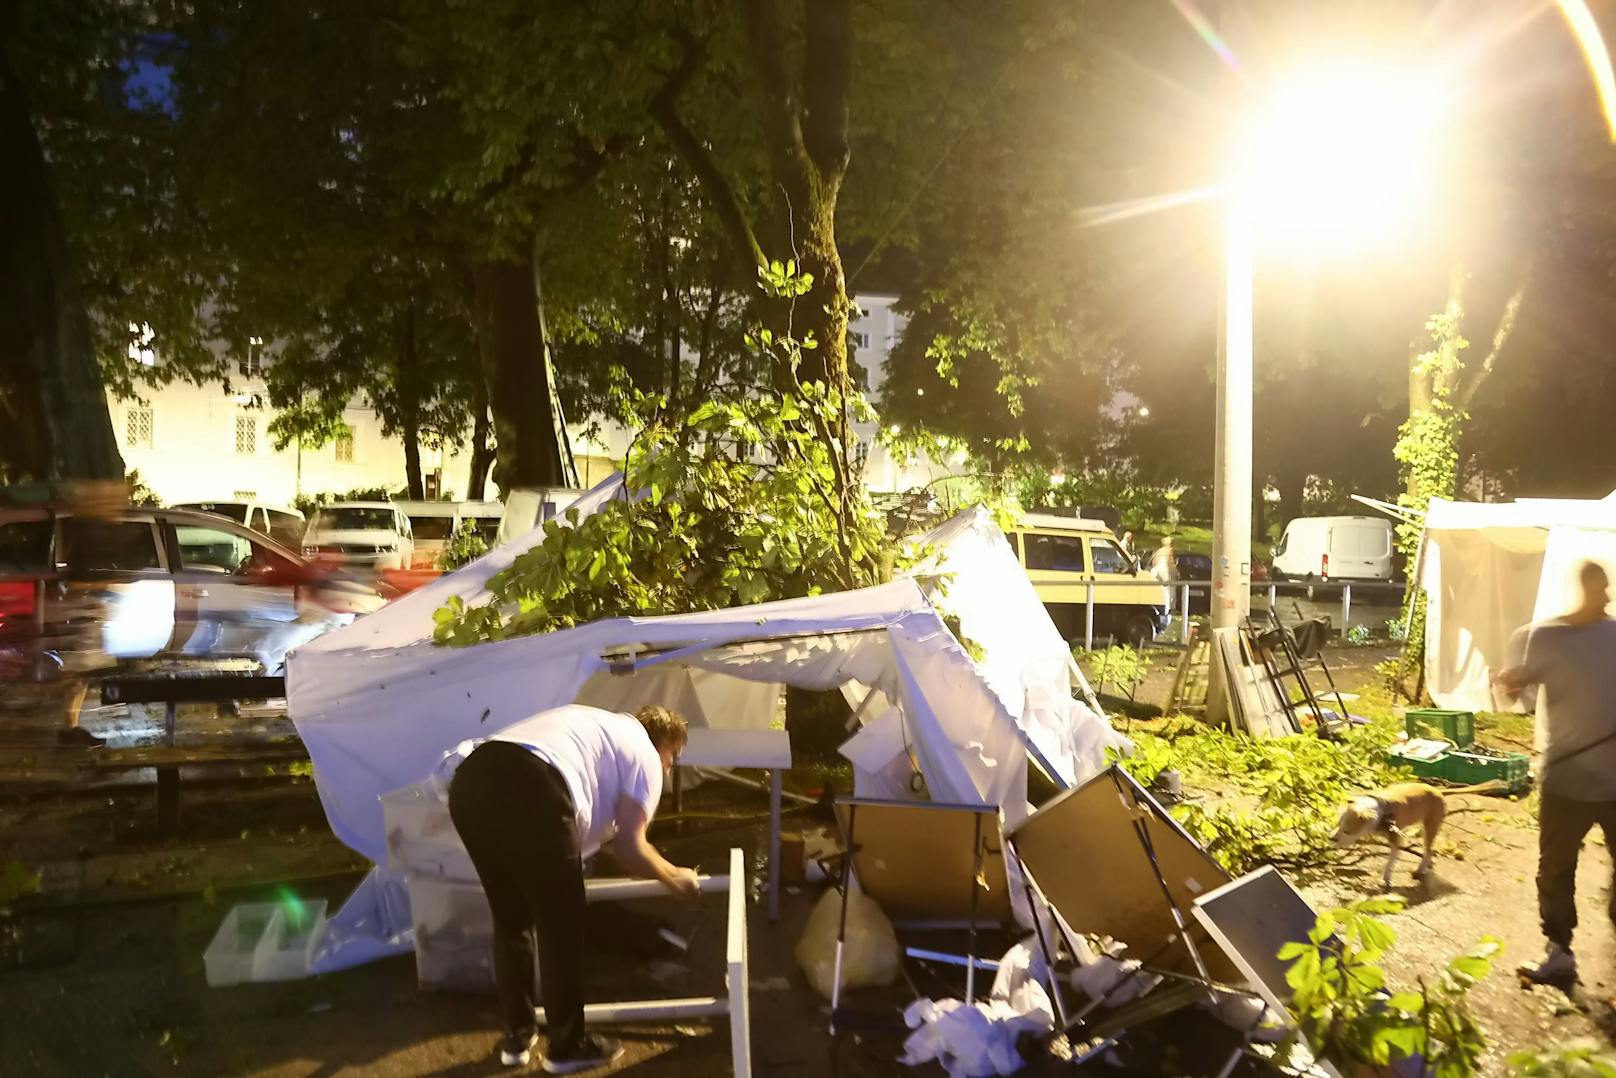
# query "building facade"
(201, 443)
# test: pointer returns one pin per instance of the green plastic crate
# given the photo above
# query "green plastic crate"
(1458, 727)
(1468, 769)
(1425, 769)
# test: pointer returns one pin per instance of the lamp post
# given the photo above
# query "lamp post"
(1336, 156)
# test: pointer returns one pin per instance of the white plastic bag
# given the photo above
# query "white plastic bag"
(870, 956)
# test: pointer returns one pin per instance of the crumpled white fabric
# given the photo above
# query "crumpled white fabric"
(979, 1040)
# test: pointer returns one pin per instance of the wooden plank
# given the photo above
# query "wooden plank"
(918, 859)
(187, 688)
(184, 755)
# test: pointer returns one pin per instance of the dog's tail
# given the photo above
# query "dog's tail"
(1479, 788)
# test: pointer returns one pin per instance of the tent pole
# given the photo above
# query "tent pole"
(1130, 797)
(1033, 900)
(841, 928)
(976, 874)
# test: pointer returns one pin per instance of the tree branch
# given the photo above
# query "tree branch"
(1501, 334)
(720, 192)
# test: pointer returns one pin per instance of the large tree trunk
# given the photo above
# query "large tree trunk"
(482, 454)
(412, 460)
(510, 337)
(54, 422)
(805, 119)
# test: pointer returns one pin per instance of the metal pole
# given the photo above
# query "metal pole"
(1184, 611)
(775, 780)
(1231, 496)
(976, 872)
(1273, 597)
(1346, 608)
(1088, 620)
(841, 929)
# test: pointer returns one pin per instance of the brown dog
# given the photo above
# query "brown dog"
(1395, 809)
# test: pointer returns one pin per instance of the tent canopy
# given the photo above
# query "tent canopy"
(377, 703)
(1490, 568)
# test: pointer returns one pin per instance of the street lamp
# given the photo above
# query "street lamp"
(1334, 157)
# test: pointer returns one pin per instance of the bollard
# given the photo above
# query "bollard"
(1184, 612)
(1088, 619)
(1273, 596)
(1346, 609)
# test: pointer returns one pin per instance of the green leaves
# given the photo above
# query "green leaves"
(1344, 1010)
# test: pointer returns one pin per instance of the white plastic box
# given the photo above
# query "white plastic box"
(421, 839)
(454, 935)
(293, 936)
(229, 958)
(265, 941)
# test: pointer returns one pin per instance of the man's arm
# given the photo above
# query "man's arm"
(637, 855)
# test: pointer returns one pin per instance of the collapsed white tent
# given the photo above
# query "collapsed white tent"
(1488, 569)
(377, 703)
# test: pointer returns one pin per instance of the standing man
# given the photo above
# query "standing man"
(1164, 567)
(1573, 658)
(530, 803)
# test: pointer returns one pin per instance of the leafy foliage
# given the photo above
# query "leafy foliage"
(749, 498)
(466, 545)
(1584, 1059)
(17, 881)
(1349, 1016)
(1118, 665)
(1280, 796)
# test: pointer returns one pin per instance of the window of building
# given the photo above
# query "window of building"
(252, 364)
(246, 437)
(858, 338)
(344, 449)
(137, 433)
(1062, 553)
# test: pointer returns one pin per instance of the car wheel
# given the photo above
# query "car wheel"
(1139, 629)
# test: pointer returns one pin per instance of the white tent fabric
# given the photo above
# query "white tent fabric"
(1491, 568)
(378, 704)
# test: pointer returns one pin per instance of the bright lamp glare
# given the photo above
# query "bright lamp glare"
(1341, 157)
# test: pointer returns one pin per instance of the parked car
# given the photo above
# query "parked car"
(82, 592)
(280, 523)
(1321, 549)
(367, 535)
(431, 525)
(1063, 554)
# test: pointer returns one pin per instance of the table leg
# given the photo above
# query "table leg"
(776, 779)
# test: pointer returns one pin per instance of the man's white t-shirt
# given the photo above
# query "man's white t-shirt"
(602, 755)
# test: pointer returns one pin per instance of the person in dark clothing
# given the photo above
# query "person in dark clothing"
(530, 803)
(1573, 659)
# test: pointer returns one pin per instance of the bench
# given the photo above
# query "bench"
(184, 688)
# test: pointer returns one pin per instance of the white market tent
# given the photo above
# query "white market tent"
(1490, 568)
(377, 703)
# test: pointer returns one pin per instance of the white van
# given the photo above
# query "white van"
(370, 535)
(1318, 549)
(283, 524)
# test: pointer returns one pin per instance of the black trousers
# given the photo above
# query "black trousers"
(1562, 824)
(515, 816)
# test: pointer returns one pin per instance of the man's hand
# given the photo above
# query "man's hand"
(682, 881)
(1512, 680)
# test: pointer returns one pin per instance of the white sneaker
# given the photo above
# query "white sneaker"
(1557, 967)
(516, 1050)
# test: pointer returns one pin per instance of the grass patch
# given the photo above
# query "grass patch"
(1505, 730)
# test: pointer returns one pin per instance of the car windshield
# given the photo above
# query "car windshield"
(25, 546)
(236, 511)
(354, 518)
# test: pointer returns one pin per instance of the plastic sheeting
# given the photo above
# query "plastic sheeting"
(1491, 568)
